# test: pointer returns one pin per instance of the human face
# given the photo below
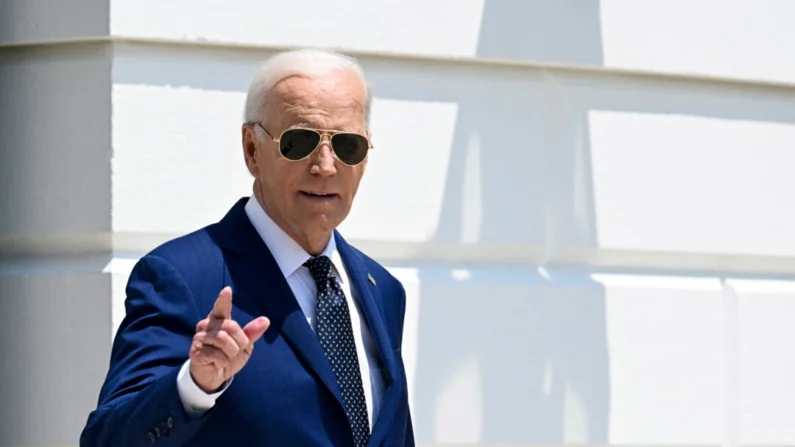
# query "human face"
(309, 198)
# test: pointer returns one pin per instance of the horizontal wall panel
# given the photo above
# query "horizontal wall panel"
(177, 159)
(666, 346)
(727, 38)
(469, 154)
(687, 183)
(397, 26)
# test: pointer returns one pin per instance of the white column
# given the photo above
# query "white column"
(55, 203)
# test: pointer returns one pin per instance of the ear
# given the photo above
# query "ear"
(249, 140)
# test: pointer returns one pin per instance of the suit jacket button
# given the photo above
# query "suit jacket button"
(151, 438)
(170, 422)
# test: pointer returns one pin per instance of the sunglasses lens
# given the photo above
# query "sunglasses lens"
(351, 148)
(296, 144)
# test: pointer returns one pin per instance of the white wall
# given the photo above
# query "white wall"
(592, 256)
(734, 38)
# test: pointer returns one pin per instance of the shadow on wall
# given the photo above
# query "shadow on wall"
(539, 343)
(542, 31)
(511, 356)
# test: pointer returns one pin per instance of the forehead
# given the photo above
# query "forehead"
(333, 101)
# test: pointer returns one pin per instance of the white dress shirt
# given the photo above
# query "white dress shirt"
(290, 258)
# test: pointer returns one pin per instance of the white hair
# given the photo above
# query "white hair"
(310, 62)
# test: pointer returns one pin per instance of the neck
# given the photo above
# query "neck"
(312, 246)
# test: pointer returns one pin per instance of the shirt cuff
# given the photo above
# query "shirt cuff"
(195, 401)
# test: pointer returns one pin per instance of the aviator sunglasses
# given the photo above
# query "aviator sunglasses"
(298, 143)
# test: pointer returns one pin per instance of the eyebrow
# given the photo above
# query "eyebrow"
(310, 126)
(300, 124)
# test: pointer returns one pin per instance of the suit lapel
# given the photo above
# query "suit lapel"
(367, 292)
(253, 267)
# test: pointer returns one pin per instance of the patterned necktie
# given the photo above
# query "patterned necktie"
(336, 338)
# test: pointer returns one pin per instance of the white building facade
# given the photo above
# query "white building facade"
(587, 201)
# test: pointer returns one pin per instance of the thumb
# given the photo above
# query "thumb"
(222, 310)
(256, 328)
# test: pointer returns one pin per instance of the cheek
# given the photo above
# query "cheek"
(353, 178)
(268, 166)
(286, 177)
(268, 175)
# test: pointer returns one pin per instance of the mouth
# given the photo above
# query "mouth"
(321, 196)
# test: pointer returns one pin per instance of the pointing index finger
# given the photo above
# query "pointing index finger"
(222, 310)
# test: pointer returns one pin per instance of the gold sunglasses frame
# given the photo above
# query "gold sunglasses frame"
(322, 133)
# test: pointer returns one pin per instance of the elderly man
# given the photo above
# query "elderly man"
(308, 351)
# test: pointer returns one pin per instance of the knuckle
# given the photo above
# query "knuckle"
(224, 337)
(240, 338)
(231, 326)
(225, 343)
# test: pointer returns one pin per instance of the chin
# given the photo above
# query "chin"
(328, 223)
(321, 221)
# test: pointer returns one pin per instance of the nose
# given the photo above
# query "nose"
(323, 162)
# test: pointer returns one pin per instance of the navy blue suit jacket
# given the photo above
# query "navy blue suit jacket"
(286, 395)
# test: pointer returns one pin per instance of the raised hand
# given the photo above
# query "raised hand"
(220, 347)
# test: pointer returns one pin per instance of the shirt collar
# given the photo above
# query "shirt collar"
(288, 254)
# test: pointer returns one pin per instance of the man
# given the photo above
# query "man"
(267, 328)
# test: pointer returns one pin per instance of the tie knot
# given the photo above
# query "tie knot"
(320, 268)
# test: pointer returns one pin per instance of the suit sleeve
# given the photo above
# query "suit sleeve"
(139, 403)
